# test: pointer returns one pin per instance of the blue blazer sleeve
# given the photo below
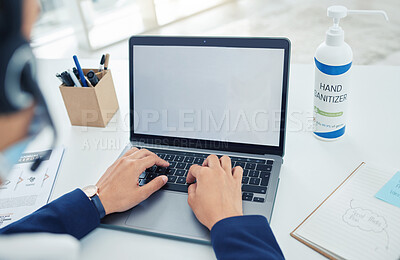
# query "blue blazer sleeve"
(244, 237)
(72, 214)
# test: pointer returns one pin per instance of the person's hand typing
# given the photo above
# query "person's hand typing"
(118, 187)
(217, 192)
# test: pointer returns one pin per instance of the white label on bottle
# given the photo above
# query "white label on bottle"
(330, 102)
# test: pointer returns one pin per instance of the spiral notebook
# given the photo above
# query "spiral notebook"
(352, 223)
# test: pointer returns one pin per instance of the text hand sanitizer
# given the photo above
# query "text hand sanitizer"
(333, 60)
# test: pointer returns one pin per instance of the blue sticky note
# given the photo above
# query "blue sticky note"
(390, 192)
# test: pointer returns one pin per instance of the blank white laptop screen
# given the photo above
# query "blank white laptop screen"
(209, 93)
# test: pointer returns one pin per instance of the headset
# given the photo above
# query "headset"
(18, 85)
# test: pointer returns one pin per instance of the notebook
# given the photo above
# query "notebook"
(352, 223)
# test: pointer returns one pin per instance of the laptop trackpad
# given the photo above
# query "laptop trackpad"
(167, 213)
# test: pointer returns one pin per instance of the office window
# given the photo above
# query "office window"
(98, 23)
(171, 10)
(53, 23)
(109, 21)
(123, 18)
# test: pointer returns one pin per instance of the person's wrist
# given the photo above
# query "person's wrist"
(104, 201)
(91, 192)
(222, 217)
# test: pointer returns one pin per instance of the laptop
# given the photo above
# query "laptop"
(195, 96)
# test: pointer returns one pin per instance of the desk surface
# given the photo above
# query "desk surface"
(311, 169)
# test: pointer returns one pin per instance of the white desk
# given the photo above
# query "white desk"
(311, 169)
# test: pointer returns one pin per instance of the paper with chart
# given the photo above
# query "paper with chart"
(25, 191)
(352, 223)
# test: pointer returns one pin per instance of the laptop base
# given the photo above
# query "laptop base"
(167, 213)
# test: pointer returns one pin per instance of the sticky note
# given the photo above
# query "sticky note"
(390, 192)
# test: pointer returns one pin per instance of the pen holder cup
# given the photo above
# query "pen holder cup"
(91, 106)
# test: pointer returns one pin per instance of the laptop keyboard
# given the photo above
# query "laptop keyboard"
(256, 172)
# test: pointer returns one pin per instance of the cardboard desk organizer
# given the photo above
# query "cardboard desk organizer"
(91, 106)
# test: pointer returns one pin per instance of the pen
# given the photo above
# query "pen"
(74, 79)
(103, 59)
(92, 78)
(81, 75)
(67, 79)
(59, 77)
(106, 61)
(76, 72)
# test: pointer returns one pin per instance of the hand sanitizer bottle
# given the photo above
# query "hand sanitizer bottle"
(333, 60)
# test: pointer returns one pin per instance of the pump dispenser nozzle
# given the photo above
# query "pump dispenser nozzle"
(335, 35)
